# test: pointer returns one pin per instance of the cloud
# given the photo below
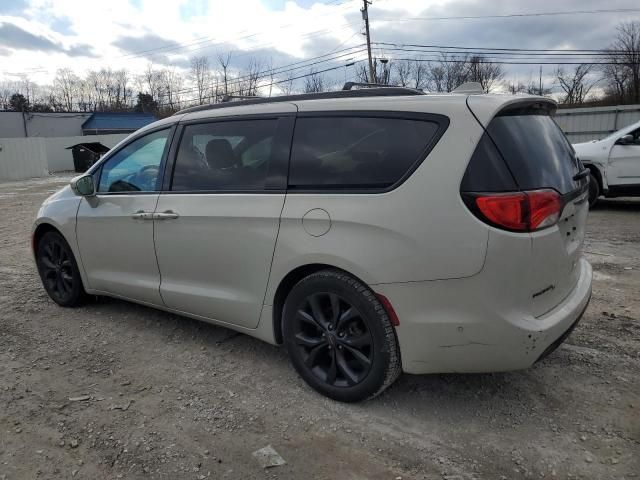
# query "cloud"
(12, 36)
(12, 6)
(150, 41)
(156, 49)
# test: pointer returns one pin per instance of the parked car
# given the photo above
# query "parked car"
(614, 164)
(369, 231)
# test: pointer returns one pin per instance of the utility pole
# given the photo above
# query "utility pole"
(540, 90)
(365, 17)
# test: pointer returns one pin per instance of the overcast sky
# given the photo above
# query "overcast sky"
(39, 36)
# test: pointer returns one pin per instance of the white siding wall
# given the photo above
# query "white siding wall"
(13, 124)
(22, 158)
(593, 123)
(37, 156)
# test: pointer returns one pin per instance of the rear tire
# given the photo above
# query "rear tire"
(339, 337)
(594, 190)
(59, 271)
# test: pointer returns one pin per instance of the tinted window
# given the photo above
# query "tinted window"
(487, 171)
(135, 167)
(224, 156)
(356, 152)
(536, 151)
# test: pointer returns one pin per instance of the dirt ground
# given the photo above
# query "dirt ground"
(172, 398)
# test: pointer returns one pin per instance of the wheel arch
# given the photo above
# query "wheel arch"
(288, 282)
(40, 231)
(596, 173)
(46, 225)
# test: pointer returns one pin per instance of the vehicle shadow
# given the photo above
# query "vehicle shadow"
(617, 204)
(451, 394)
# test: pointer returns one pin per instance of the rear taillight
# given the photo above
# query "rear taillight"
(517, 211)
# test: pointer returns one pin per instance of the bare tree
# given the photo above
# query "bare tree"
(420, 75)
(448, 72)
(172, 83)
(403, 71)
(575, 84)
(381, 72)
(617, 79)
(623, 72)
(123, 94)
(287, 84)
(247, 81)
(224, 60)
(66, 85)
(200, 76)
(485, 72)
(314, 83)
(6, 90)
(151, 82)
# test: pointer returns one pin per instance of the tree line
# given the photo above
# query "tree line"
(209, 80)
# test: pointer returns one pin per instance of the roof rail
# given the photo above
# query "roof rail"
(376, 91)
(230, 98)
(350, 85)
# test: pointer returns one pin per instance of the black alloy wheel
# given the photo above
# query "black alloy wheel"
(58, 270)
(333, 339)
(339, 337)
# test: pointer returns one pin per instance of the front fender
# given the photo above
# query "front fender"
(59, 211)
(601, 169)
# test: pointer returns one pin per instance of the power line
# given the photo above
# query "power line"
(503, 62)
(285, 68)
(270, 84)
(584, 57)
(512, 15)
(562, 50)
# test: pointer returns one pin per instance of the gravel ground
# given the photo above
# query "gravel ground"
(116, 390)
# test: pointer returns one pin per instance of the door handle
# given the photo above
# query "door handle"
(168, 215)
(142, 215)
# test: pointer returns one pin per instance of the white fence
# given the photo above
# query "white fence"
(22, 158)
(593, 123)
(38, 156)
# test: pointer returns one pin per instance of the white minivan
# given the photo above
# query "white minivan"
(370, 231)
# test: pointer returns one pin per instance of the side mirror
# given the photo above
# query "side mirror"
(625, 140)
(83, 186)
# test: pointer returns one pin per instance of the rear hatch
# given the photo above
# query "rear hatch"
(525, 179)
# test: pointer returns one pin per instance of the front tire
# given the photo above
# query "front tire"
(339, 337)
(594, 190)
(59, 271)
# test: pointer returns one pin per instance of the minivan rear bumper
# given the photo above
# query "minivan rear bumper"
(451, 325)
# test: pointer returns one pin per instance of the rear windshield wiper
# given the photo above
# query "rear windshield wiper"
(581, 174)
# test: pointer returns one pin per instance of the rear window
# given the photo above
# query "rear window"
(534, 150)
(357, 152)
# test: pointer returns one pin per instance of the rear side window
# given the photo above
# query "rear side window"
(357, 152)
(223, 156)
(535, 154)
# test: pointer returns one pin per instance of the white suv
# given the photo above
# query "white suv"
(369, 231)
(614, 163)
